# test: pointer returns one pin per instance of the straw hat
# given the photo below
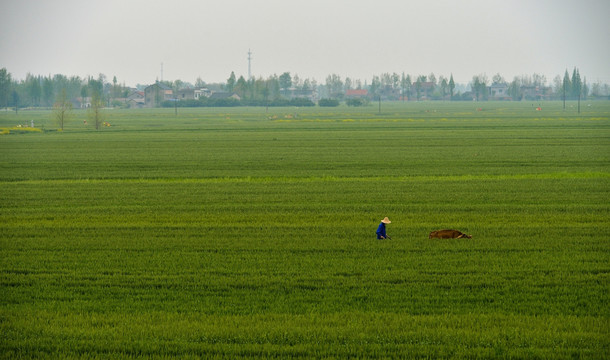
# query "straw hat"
(386, 220)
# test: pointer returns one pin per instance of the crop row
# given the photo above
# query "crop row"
(233, 234)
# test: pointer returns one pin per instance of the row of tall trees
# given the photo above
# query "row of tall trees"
(573, 87)
(389, 86)
(395, 87)
(43, 91)
(273, 88)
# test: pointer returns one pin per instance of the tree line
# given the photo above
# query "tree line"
(279, 90)
(43, 91)
(392, 86)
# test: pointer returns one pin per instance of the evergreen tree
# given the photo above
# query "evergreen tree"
(33, 88)
(48, 91)
(231, 82)
(241, 87)
(285, 81)
(274, 87)
(405, 85)
(5, 87)
(576, 84)
(442, 82)
(567, 85)
(514, 89)
(451, 86)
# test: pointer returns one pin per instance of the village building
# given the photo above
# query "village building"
(533, 92)
(135, 99)
(192, 93)
(157, 93)
(81, 102)
(294, 93)
(498, 92)
(185, 94)
(425, 90)
(202, 92)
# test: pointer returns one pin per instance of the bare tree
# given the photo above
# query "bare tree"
(443, 84)
(62, 109)
(498, 79)
(479, 86)
(95, 112)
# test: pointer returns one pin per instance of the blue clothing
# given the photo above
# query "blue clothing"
(381, 231)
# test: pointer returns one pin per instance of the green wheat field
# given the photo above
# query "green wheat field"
(246, 232)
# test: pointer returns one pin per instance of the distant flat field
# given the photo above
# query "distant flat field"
(250, 232)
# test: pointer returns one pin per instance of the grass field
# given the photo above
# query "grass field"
(223, 233)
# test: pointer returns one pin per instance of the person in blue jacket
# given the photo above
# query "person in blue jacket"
(381, 234)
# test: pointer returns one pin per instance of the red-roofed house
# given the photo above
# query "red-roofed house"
(356, 93)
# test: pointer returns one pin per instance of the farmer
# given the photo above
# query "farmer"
(381, 229)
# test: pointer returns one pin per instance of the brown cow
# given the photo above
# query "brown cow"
(448, 234)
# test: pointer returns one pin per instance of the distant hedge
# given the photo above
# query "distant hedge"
(328, 102)
(279, 102)
(230, 102)
(356, 102)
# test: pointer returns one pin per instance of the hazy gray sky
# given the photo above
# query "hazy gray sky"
(130, 39)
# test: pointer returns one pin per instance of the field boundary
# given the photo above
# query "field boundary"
(265, 179)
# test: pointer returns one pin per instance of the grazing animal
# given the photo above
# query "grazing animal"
(448, 234)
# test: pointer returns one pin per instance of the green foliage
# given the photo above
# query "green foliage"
(285, 80)
(231, 82)
(301, 102)
(328, 102)
(226, 233)
(356, 102)
(5, 88)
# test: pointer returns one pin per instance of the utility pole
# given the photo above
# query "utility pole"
(564, 95)
(249, 68)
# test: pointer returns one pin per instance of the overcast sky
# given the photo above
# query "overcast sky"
(130, 39)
